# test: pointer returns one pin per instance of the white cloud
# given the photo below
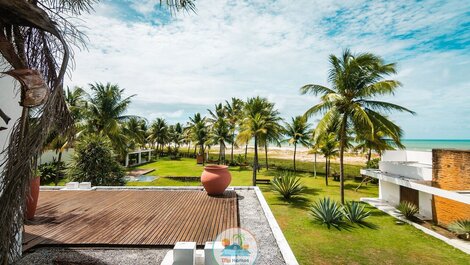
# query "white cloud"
(268, 48)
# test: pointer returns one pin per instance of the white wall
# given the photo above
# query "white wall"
(425, 205)
(9, 98)
(405, 155)
(389, 192)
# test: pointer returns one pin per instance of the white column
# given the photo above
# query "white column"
(127, 160)
(139, 161)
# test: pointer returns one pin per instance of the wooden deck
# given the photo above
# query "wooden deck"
(129, 218)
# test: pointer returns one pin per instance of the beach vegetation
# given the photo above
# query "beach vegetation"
(95, 162)
(328, 212)
(287, 184)
(355, 212)
(408, 209)
(298, 132)
(461, 228)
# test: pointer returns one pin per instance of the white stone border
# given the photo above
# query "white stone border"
(392, 211)
(281, 241)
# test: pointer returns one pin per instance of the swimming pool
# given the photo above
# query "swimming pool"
(141, 178)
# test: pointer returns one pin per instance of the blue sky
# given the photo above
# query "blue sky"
(178, 65)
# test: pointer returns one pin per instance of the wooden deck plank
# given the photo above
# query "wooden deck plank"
(129, 217)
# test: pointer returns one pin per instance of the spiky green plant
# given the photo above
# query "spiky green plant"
(327, 211)
(408, 209)
(287, 184)
(461, 228)
(355, 212)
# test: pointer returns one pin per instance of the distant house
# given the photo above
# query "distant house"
(438, 182)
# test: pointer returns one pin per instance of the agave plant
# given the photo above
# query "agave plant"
(408, 209)
(355, 212)
(461, 228)
(327, 211)
(287, 184)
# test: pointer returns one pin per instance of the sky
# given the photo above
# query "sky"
(179, 64)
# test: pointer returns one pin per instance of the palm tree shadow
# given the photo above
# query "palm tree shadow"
(368, 225)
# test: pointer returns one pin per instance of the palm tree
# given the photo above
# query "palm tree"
(328, 146)
(234, 111)
(298, 132)
(259, 115)
(76, 103)
(134, 132)
(197, 118)
(105, 114)
(220, 132)
(379, 141)
(357, 80)
(200, 135)
(315, 149)
(159, 134)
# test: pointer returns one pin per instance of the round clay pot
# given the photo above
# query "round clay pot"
(215, 179)
(32, 198)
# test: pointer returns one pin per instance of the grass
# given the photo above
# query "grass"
(379, 241)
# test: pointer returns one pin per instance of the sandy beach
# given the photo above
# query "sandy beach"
(302, 154)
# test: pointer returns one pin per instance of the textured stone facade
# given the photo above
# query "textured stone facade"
(451, 171)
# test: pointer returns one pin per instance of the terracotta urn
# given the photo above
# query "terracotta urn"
(215, 179)
(32, 198)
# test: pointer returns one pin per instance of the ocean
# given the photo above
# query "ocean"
(428, 144)
(422, 144)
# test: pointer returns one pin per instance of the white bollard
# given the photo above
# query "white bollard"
(71, 186)
(84, 185)
(209, 249)
(184, 253)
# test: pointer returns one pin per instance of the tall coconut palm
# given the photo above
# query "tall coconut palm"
(159, 134)
(197, 118)
(106, 113)
(259, 115)
(135, 132)
(328, 146)
(298, 131)
(201, 135)
(234, 112)
(377, 141)
(357, 81)
(220, 133)
(273, 135)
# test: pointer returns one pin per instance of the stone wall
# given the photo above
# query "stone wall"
(451, 171)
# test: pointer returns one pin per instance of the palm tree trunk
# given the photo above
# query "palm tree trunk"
(266, 155)
(203, 155)
(315, 165)
(189, 147)
(220, 153)
(369, 155)
(231, 154)
(341, 156)
(195, 150)
(295, 152)
(57, 168)
(255, 161)
(326, 171)
(246, 150)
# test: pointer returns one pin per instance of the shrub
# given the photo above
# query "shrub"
(373, 163)
(48, 172)
(327, 211)
(355, 212)
(461, 228)
(95, 162)
(408, 209)
(287, 184)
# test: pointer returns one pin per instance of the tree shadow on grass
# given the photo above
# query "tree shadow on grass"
(298, 202)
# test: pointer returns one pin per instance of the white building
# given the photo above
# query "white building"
(440, 190)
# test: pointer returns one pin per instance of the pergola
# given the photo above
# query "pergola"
(139, 157)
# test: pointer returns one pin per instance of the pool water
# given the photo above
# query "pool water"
(141, 178)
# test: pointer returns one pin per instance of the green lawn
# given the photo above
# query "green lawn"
(383, 242)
